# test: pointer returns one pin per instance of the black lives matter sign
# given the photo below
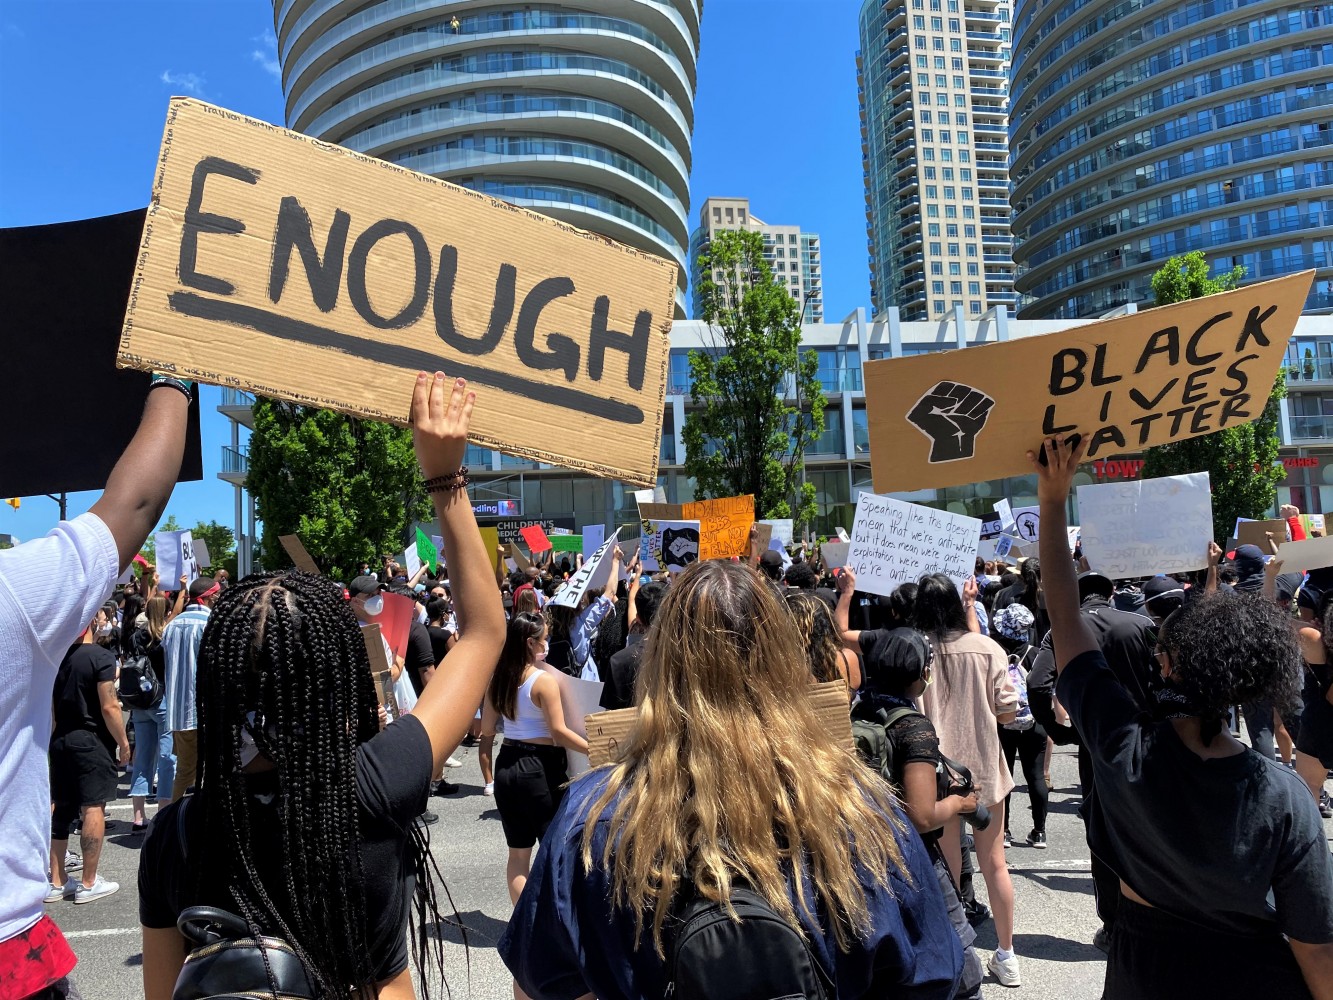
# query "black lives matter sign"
(1128, 383)
(276, 263)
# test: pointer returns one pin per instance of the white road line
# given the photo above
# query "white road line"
(102, 932)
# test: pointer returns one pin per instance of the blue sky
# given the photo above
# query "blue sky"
(84, 86)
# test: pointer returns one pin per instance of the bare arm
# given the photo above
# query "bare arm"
(163, 956)
(919, 798)
(490, 720)
(613, 581)
(1316, 962)
(1271, 572)
(1069, 632)
(182, 592)
(1214, 557)
(140, 485)
(970, 591)
(546, 696)
(115, 722)
(441, 413)
(842, 612)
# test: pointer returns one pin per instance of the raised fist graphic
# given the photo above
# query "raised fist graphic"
(951, 415)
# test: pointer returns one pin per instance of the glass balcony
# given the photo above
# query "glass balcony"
(1317, 428)
(1309, 369)
(235, 397)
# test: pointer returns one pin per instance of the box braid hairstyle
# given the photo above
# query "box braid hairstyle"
(287, 648)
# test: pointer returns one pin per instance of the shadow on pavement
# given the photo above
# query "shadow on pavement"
(482, 930)
(1054, 949)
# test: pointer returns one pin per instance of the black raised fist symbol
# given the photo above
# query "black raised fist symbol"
(951, 415)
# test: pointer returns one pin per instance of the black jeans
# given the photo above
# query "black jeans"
(1029, 746)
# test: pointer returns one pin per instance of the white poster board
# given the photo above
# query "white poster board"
(593, 537)
(175, 558)
(1027, 524)
(783, 529)
(578, 699)
(1312, 553)
(1006, 514)
(592, 575)
(1148, 526)
(411, 561)
(895, 542)
(835, 554)
(201, 554)
(668, 545)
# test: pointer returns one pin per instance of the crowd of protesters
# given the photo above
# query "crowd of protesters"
(732, 839)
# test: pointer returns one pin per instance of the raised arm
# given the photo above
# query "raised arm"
(1069, 632)
(140, 485)
(441, 412)
(842, 612)
(1214, 557)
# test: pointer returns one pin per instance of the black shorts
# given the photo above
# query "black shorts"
(1314, 737)
(83, 773)
(529, 785)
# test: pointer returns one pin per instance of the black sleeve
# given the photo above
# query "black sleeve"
(914, 742)
(1041, 696)
(1098, 705)
(393, 772)
(418, 656)
(160, 866)
(104, 664)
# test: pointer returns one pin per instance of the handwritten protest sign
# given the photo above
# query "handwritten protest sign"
(1149, 526)
(1160, 375)
(175, 558)
(535, 538)
(896, 542)
(783, 528)
(379, 669)
(669, 545)
(1311, 553)
(296, 551)
(275, 262)
(724, 525)
(1256, 532)
(567, 543)
(427, 551)
(593, 574)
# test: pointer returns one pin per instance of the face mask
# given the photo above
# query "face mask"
(104, 629)
(546, 648)
(373, 606)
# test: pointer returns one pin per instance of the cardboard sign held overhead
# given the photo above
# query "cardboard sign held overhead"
(291, 544)
(1160, 375)
(1311, 553)
(516, 554)
(1256, 533)
(1145, 527)
(274, 262)
(724, 525)
(535, 538)
(427, 553)
(895, 542)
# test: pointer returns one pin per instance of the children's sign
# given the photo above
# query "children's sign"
(275, 262)
(175, 558)
(895, 542)
(594, 573)
(296, 551)
(535, 538)
(1147, 526)
(1128, 383)
(669, 545)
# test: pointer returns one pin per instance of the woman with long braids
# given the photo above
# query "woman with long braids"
(304, 822)
(792, 818)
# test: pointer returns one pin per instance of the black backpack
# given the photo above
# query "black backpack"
(870, 734)
(139, 685)
(710, 956)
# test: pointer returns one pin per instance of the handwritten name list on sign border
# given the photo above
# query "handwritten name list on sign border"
(896, 542)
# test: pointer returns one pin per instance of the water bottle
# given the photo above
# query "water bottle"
(145, 685)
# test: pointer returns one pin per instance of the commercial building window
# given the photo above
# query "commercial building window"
(959, 82)
(974, 288)
(969, 212)
(960, 118)
(782, 265)
(928, 153)
(933, 228)
(954, 267)
(918, 5)
(967, 194)
(930, 171)
(935, 249)
(951, 211)
(946, 136)
(946, 155)
(791, 237)
(953, 24)
(955, 45)
(925, 117)
(974, 308)
(960, 100)
(936, 267)
(953, 226)
(717, 214)
(953, 6)
(955, 288)
(940, 79)
(937, 24)
(933, 211)
(781, 252)
(965, 173)
(921, 62)
(953, 249)
(971, 249)
(942, 100)
(923, 79)
(962, 138)
(937, 44)
(948, 171)
(920, 41)
(957, 63)
(919, 22)
(970, 232)
(964, 156)
(971, 270)
(925, 99)
(927, 135)
(937, 287)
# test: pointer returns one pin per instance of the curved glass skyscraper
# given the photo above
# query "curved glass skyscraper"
(1145, 128)
(582, 111)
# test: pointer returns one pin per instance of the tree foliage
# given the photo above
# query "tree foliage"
(758, 399)
(350, 488)
(221, 542)
(1241, 462)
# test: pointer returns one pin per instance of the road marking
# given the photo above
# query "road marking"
(102, 932)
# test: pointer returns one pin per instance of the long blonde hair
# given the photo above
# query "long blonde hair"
(727, 772)
(156, 610)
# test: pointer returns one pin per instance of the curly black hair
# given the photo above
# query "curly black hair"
(1230, 649)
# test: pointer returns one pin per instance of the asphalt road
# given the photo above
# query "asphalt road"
(1055, 917)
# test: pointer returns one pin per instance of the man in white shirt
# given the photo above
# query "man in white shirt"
(50, 588)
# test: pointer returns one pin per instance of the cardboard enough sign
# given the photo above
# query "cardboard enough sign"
(293, 268)
(1165, 374)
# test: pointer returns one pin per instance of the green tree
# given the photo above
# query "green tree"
(749, 433)
(221, 542)
(1241, 462)
(350, 488)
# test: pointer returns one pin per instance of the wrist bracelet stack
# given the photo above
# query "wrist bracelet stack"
(449, 483)
(179, 384)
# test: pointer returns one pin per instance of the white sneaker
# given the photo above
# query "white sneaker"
(100, 887)
(489, 789)
(453, 762)
(55, 893)
(73, 862)
(1006, 970)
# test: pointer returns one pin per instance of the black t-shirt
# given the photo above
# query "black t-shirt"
(620, 675)
(914, 742)
(1233, 844)
(393, 773)
(439, 642)
(75, 702)
(418, 656)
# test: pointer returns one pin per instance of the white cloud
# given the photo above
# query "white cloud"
(267, 54)
(191, 83)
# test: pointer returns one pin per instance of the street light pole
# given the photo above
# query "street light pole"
(805, 302)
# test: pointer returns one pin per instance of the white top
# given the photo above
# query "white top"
(50, 588)
(528, 723)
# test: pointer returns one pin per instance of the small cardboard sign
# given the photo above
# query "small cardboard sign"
(535, 538)
(896, 542)
(176, 558)
(1311, 553)
(275, 262)
(1256, 533)
(291, 544)
(763, 536)
(1147, 526)
(607, 732)
(594, 573)
(380, 669)
(516, 554)
(724, 525)
(1164, 374)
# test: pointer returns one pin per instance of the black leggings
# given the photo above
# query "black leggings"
(1030, 748)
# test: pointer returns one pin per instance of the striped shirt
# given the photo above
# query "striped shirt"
(180, 648)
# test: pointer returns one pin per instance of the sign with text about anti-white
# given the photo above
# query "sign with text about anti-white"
(1147, 527)
(297, 269)
(896, 542)
(1160, 375)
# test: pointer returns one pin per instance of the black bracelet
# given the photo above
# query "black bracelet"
(457, 484)
(442, 482)
(181, 385)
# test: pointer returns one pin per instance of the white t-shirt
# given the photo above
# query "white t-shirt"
(50, 588)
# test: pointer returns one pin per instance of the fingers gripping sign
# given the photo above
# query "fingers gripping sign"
(951, 415)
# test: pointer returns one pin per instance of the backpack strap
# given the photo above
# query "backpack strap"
(899, 713)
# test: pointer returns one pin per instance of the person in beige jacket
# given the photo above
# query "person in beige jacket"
(971, 692)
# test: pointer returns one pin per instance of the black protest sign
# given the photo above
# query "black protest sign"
(1128, 383)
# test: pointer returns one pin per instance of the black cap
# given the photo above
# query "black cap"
(1162, 595)
(895, 658)
(1249, 561)
(1091, 582)
(770, 564)
(365, 586)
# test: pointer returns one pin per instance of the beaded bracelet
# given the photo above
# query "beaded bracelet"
(452, 481)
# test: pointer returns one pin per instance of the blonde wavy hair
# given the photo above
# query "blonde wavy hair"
(728, 773)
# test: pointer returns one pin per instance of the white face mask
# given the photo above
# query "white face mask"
(104, 629)
(546, 648)
(373, 606)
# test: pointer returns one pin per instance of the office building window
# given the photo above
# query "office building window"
(933, 228)
(964, 156)
(921, 62)
(953, 226)
(925, 117)
(946, 155)
(942, 100)
(972, 270)
(948, 171)
(928, 153)
(955, 288)
(791, 237)
(927, 135)
(974, 308)
(974, 288)
(967, 194)
(937, 44)
(953, 249)
(970, 232)
(919, 22)
(933, 211)
(923, 79)
(957, 63)
(937, 24)
(920, 41)
(717, 214)
(953, 24)
(971, 249)
(935, 249)
(936, 267)
(930, 171)
(965, 173)
(955, 45)
(781, 252)
(960, 118)
(940, 79)
(946, 136)
(937, 287)
(960, 100)
(954, 268)
(951, 211)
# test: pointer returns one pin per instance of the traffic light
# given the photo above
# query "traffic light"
(14, 502)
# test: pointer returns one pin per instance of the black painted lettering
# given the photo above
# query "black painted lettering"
(293, 231)
(197, 222)
(356, 274)
(1199, 422)
(635, 345)
(1104, 436)
(1238, 375)
(1151, 404)
(1233, 409)
(1048, 427)
(1099, 376)
(1162, 342)
(1192, 348)
(1177, 415)
(1196, 386)
(502, 306)
(1144, 424)
(562, 353)
(1065, 379)
(1106, 406)
(1254, 327)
